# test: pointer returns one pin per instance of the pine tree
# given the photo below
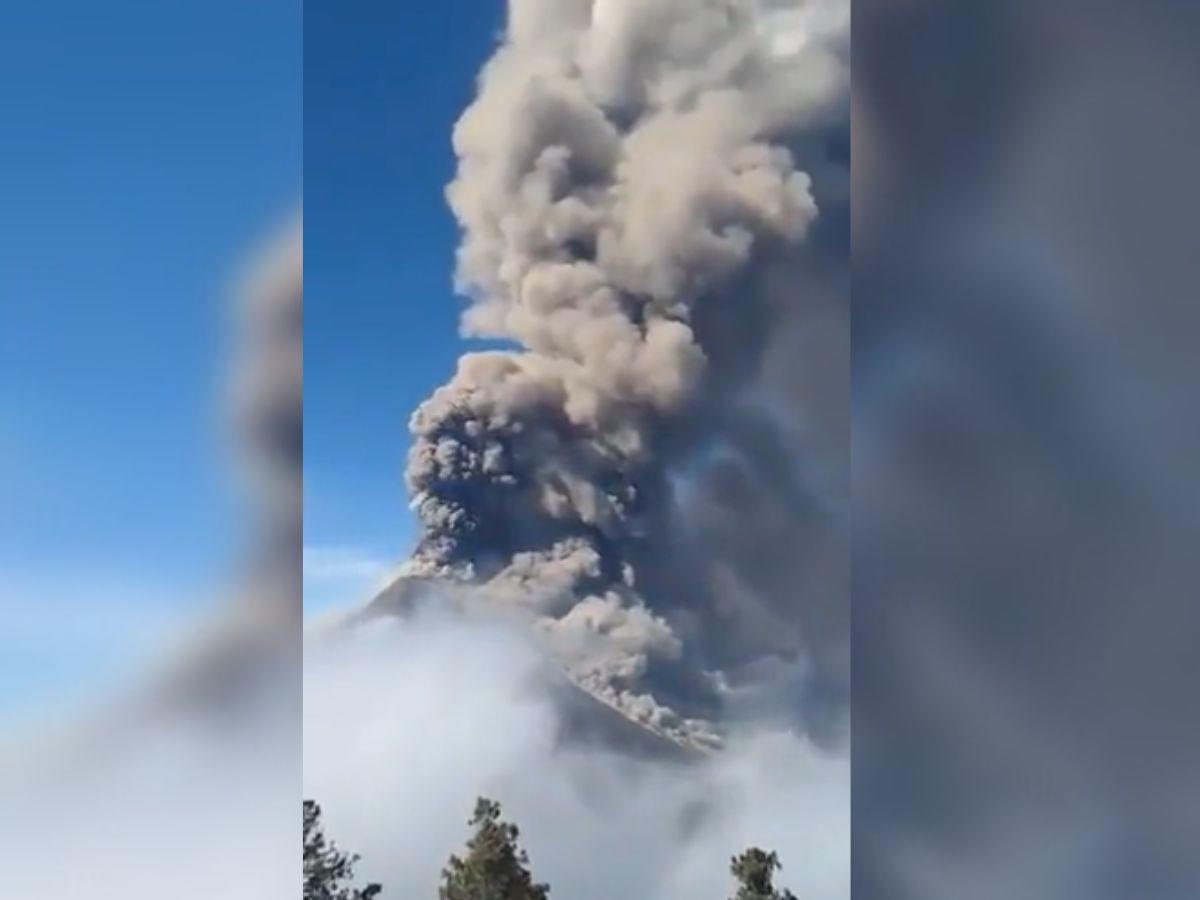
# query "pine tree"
(327, 871)
(755, 873)
(494, 867)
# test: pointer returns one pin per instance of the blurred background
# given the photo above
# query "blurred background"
(150, 445)
(1025, 447)
(149, 151)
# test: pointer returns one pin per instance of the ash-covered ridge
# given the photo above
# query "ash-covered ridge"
(643, 191)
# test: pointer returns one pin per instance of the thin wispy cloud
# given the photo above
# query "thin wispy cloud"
(335, 576)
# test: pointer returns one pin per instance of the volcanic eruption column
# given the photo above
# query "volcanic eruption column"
(638, 190)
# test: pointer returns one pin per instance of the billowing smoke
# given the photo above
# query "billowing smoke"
(654, 205)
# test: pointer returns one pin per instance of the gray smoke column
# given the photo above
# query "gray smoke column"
(652, 197)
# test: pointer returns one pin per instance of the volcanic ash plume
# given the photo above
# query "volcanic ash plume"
(652, 197)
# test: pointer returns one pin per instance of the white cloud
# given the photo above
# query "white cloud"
(405, 723)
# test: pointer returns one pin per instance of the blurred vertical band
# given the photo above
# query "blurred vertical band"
(150, 448)
(1025, 450)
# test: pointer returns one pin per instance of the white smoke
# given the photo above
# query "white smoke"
(405, 723)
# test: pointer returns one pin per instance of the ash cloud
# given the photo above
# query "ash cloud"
(654, 207)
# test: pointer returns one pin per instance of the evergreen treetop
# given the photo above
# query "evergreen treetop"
(328, 872)
(494, 866)
(755, 871)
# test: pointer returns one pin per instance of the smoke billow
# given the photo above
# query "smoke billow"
(654, 205)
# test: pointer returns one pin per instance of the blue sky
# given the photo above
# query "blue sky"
(384, 83)
(146, 148)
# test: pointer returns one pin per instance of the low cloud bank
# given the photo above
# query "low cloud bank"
(407, 722)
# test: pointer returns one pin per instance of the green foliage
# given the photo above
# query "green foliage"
(327, 871)
(494, 866)
(755, 873)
